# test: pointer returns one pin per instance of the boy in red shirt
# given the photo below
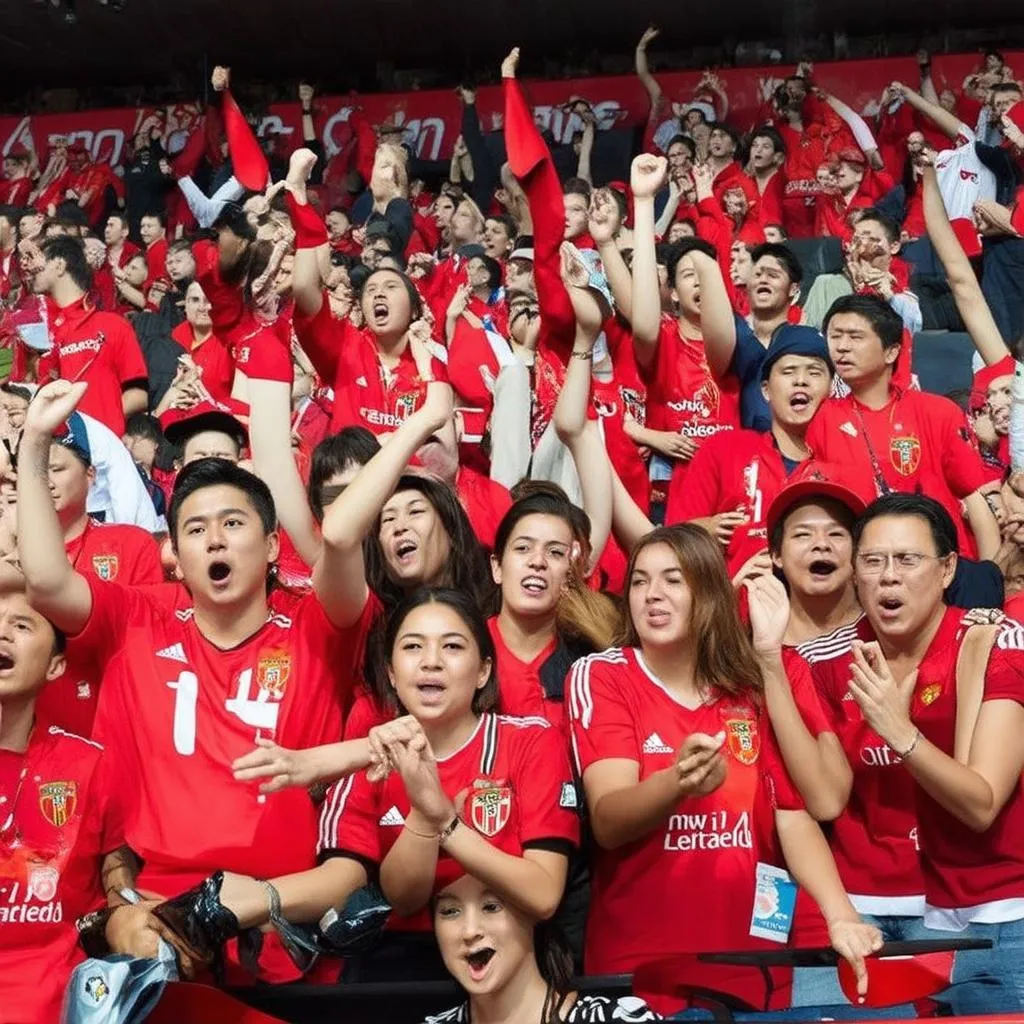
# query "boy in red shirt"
(898, 440)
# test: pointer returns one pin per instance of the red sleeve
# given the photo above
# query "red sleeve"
(320, 337)
(1017, 218)
(660, 374)
(131, 366)
(144, 563)
(349, 820)
(602, 723)
(363, 716)
(263, 357)
(772, 199)
(714, 227)
(805, 695)
(226, 301)
(961, 460)
(107, 797)
(783, 792)
(1004, 674)
(545, 788)
(113, 607)
(695, 494)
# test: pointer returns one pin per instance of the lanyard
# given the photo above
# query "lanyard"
(881, 484)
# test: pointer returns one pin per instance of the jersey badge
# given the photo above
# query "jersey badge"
(490, 807)
(905, 454)
(106, 566)
(744, 741)
(273, 671)
(57, 801)
(930, 694)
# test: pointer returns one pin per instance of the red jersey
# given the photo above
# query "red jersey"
(741, 469)
(213, 359)
(365, 393)
(15, 191)
(156, 262)
(485, 501)
(176, 711)
(874, 840)
(682, 395)
(968, 876)
(520, 794)
(700, 863)
(918, 443)
(103, 551)
(101, 348)
(50, 862)
(106, 287)
(520, 689)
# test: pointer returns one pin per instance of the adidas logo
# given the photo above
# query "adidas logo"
(654, 744)
(174, 653)
(361, 381)
(393, 817)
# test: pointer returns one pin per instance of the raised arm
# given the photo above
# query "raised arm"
(603, 223)
(583, 169)
(312, 249)
(643, 71)
(718, 323)
(339, 577)
(946, 122)
(967, 294)
(52, 585)
(646, 178)
(862, 134)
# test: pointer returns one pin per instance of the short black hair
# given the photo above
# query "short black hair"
(577, 187)
(494, 271)
(680, 249)
(180, 245)
(885, 322)
(1006, 87)
(772, 135)
(888, 225)
(11, 214)
(686, 141)
(72, 252)
(415, 299)
(160, 215)
(919, 506)
(506, 221)
(721, 126)
(334, 454)
(220, 473)
(146, 427)
(119, 215)
(17, 390)
(784, 255)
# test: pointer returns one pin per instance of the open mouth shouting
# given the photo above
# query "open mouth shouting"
(6, 662)
(431, 691)
(800, 401)
(405, 551)
(822, 569)
(889, 607)
(380, 311)
(534, 585)
(220, 574)
(478, 962)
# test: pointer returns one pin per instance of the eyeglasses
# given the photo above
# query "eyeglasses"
(873, 563)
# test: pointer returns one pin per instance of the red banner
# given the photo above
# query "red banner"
(432, 118)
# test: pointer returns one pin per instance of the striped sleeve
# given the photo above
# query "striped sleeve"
(601, 720)
(349, 821)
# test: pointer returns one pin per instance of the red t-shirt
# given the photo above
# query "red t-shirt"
(964, 868)
(104, 551)
(922, 444)
(99, 347)
(365, 394)
(212, 358)
(741, 469)
(520, 690)
(485, 501)
(106, 287)
(50, 863)
(156, 262)
(176, 711)
(698, 865)
(682, 395)
(519, 794)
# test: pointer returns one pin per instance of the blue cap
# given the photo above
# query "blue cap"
(76, 438)
(795, 340)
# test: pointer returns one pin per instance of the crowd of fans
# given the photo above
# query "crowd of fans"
(575, 568)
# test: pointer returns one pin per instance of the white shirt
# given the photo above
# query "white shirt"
(963, 178)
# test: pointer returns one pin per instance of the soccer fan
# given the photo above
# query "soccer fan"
(681, 771)
(898, 440)
(16, 186)
(120, 251)
(683, 399)
(281, 669)
(96, 347)
(516, 822)
(206, 430)
(946, 698)
(734, 477)
(736, 347)
(153, 231)
(58, 821)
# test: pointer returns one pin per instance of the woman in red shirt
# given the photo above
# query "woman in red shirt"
(466, 792)
(689, 801)
(548, 618)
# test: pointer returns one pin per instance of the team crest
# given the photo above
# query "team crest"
(405, 406)
(96, 989)
(42, 881)
(273, 671)
(490, 808)
(57, 801)
(905, 455)
(930, 694)
(744, 741)
(106, 566)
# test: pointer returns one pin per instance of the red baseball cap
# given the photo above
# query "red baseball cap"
(987, 376)
(817, 480)
(181, 424)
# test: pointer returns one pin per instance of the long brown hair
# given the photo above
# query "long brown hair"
(725, 657)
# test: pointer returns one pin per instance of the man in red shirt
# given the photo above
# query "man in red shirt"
(88, 344)
(119, 253)
(56, 824)
(193, 675)
(896, 440)
(208, 430)
(684, 402)
(210, 354)
(153, 229)
(16, 186)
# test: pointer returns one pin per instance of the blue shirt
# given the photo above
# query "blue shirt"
(747, 360)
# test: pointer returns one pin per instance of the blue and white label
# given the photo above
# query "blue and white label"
(774, 903)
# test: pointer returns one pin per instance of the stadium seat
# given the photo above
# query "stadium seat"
(942, 361)
(817, 256)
